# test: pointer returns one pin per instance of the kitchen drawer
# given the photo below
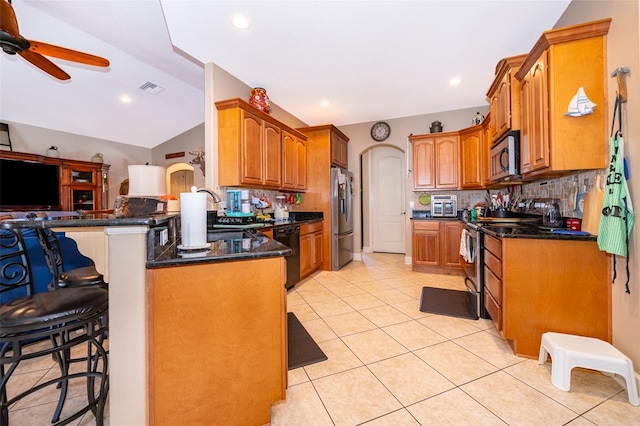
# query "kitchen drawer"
(308, 228)
(494, 310)
(426, 225)
(493, 245)
(493, 284)
(493, 263)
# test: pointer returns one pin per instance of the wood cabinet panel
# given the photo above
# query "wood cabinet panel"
(339, 151)
(436, 246)
(494, 310)
(552, 143)
(251, 149)
(540, 291)
(311, 247)
(493, 283)
(435, 161)
(243, 328)
(471, 157)
(318, 194)
(504, 97)
(272, 155)
(452, 231)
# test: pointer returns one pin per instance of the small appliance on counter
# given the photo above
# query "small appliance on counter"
(444, 206)
(239, 204)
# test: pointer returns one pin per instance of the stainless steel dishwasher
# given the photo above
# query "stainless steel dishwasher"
(290, 237)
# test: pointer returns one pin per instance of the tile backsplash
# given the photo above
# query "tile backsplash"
(559, 188)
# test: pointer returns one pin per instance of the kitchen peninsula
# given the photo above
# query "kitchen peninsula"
(205, 332)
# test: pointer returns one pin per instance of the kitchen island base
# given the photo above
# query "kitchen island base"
(217, 342)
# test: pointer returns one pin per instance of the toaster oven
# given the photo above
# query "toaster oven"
(444, 206)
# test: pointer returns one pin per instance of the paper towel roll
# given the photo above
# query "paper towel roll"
(147, 180)
(193, 219)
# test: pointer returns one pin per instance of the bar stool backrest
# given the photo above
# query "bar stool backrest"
(15, 269)
(52, 253)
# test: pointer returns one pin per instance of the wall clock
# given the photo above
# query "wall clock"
(380, 131)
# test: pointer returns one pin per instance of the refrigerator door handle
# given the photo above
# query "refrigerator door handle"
(347, 193)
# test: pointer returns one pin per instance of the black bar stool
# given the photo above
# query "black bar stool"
(78, 277)
(66, 318)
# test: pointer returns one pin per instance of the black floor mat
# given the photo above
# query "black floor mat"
(303, 350)
(454, 303)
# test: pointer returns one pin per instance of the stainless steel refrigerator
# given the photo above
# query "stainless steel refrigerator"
(341, 217)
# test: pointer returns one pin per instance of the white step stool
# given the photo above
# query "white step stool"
(568, 351)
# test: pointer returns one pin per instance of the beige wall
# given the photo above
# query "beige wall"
(36, 140)
(360, 142)
(623, 49)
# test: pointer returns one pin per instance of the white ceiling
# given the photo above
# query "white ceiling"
(371, 60)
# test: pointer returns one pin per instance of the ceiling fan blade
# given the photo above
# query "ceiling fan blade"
(44, 64)
(68, 54)
(8, 21)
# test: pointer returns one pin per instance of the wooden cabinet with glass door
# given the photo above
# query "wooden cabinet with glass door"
(85, 186)
(563, 61)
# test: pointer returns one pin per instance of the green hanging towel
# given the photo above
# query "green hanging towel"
(616, 221)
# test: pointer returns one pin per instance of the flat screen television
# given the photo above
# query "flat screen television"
(26, 185)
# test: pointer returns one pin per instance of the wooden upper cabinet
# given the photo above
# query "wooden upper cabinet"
(294, 154)
(272, 159)
(562, 61)
(487, 130)
(534, 136)
(435, 161)
(471, 157)
(251, 148)
(504, 97)
(339, 151)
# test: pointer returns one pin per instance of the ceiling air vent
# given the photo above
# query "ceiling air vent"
(150, 87)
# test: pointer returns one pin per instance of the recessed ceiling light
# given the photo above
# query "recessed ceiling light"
(454, 81)
(324, 103)
(125, 98)
(240, 22)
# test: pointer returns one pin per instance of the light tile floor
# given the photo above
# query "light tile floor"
(391, 365)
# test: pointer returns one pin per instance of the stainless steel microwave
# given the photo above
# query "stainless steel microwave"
(505, 158)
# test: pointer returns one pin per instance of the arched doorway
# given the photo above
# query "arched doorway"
(383, 199)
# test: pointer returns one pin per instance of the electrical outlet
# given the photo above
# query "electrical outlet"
(412, 204)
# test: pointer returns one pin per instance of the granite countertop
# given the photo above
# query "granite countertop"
(540, 235)
(234, 244)
(60, 220)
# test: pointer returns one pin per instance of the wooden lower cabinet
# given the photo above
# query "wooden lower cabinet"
(217, 342)
(311, 248)
(436, 246)
(537, 285)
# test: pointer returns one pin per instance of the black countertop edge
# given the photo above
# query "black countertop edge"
(258, 246)
(542, 236)
(87, 221)
(434, 218)
(215, 258)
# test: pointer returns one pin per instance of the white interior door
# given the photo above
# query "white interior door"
(387, 200)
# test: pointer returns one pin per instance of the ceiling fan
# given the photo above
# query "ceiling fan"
(12, 42)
